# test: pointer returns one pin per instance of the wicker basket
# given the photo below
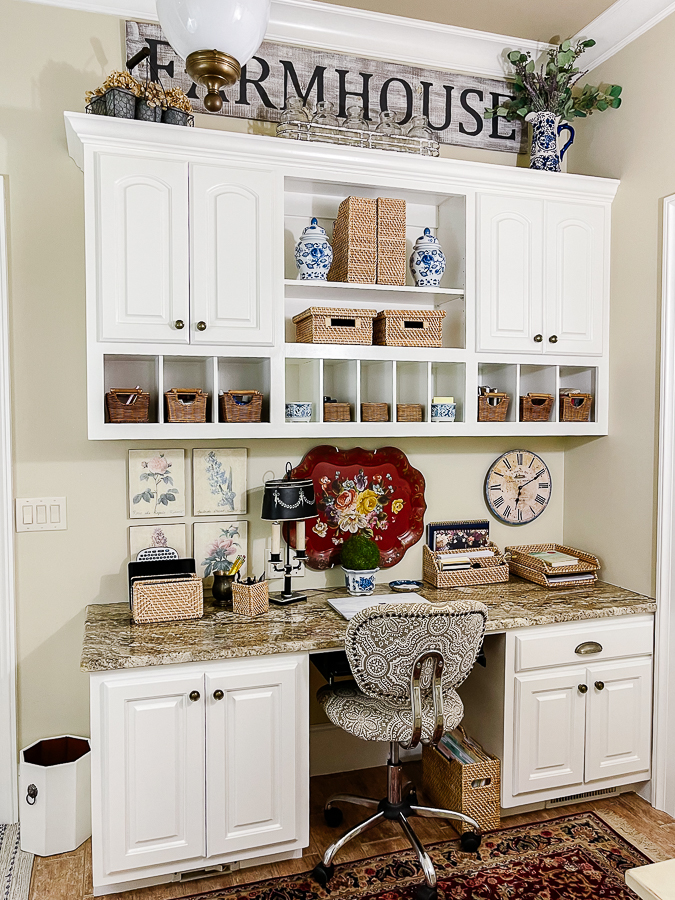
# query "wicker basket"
(130, 405)
(409, 412)
(472, 788)
(493, 412)
(409, 328)
(391, 254)
(327, 325)
(241, 406)
(250, 599)
(337, 412)
(167, 600)
(520, 555)
(575, 407)
(539, 578)
(355, 242)
(374, 412)
(186, 406)
(536, 407)
(490, 569)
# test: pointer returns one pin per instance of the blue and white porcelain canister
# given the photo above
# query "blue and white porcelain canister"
(443, 412)
(299, 411)
(313, 253)
(427, 261)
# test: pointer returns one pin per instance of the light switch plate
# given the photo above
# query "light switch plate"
(41, 514)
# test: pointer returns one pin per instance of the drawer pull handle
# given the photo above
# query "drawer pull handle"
(194, 696)
(588, 647)
(600, 685)
(583, 688)
(218, 695)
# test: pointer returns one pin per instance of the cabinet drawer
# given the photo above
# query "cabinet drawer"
(562, 645)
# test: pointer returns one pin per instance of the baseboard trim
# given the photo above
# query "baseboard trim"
(333, 750)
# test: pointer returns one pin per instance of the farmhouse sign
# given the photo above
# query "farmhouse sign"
(454, 104)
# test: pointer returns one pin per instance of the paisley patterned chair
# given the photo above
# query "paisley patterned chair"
(407, 660)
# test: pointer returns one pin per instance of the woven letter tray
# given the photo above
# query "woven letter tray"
(489, 569)
(167, 600)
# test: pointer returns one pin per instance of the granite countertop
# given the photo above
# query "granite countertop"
(112, 641)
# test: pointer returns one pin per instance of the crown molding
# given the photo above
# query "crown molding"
(620, 24)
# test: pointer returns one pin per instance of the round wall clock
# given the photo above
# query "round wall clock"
(518, 487)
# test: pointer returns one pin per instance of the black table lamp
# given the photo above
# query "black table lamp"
(288, 501)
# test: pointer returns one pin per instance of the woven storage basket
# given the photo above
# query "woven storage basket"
(250, 599)
(487, 412)
(536, 407)
(241, 406)
(520, 555)
(539, 578)
(327, 325)
(472, 788)
(374, 412)
(167, 600)
(127, 405)
(490, 569)
(575, 407)
(391, 254)
(409, 328)
(186, 406)
(355, 242)
(337, 412)
(409, 412)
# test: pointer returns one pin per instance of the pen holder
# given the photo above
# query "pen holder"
(250, 599)
(222, 589)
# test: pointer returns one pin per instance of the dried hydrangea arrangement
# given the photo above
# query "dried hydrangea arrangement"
(116, 79)
(177, 98)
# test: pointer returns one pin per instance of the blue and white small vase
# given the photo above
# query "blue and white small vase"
(544, 151)
(313, 253)
(298, 412)
(427, 261)
(360, 581)
(443, 412)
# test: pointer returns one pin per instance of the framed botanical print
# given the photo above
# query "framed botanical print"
(216, 545)
(156, 484)
(219, 482)
(143, 536)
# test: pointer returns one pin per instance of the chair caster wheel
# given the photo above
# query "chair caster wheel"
(424, 892)
(323, 874)
(470, 841)
(332, 816)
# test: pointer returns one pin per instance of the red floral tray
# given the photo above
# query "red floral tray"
(361, 490)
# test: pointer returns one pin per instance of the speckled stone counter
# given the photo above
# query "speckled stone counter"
(112, 641)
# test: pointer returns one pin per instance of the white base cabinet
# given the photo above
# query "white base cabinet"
(196, 765)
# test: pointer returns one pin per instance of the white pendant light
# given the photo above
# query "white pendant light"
(234, 29)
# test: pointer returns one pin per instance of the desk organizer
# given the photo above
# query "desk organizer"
(493, 407)
(241, 406)
(531, 569)
(490, 569)
(327, 325)
(355, 242)
(167, 600)
(409, 412)
(374, 412)
(536, 407)
(337, 412)
(130, 405)
(470, 788)
(409, 328)
(391, 255)
(186, 406)
(575, 407)
(250, 599)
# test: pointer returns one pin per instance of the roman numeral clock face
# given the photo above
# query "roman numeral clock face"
(518, 487)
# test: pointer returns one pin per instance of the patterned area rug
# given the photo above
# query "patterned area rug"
(15, 865)
(575, 857)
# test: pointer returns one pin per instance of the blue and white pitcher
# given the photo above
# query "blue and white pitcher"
(546, 128)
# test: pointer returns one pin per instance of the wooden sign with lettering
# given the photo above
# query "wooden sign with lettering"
(454, 104)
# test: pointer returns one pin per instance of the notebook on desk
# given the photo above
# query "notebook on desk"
(348, 606)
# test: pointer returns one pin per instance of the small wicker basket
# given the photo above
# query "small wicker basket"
(241, 406)
(489, 569)
(167, 600)
(186, 406)
(409, 412)
(328, 325)
(337, 412)
(355, 242)
(250, 599)
(536, 407)
(131, 405)
(409, 328)
(374, 412)
(493, 407)
(575, 407)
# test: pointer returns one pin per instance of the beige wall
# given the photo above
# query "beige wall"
(48, 58)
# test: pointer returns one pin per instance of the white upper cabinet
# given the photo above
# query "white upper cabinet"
(233, 258)
(143, 249)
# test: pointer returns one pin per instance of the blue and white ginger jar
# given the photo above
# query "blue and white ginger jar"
(427, 261)
(313, 253)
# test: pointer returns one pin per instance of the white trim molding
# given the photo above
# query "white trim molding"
(8, 758)
(621, 24)
(663, 784)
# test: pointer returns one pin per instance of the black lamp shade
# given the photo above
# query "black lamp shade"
(289, 501)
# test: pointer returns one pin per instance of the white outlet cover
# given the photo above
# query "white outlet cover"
(41, 514)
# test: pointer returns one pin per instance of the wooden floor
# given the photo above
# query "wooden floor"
(68, 876)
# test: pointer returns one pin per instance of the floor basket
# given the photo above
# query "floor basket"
(337, 412)
(575, 407)
(127, 405)
(409, 412)
(241, 406)
(493, 407)
(409, 328)
(374, 412)
(536, 407)
(355, 242)
(186, 406)
(328, 325)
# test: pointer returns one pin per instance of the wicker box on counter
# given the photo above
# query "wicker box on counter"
(355, 242)
(250, 599)
(130, 405)
(391, 252)
(337, 412)
(536, 407)
(409, 412)
(329, 325)
(493, 407)
(241, 406)
(409, 328)
(488, 569)
(575, 407)
(374, 412)
(167, 600)
(186, 405)
(536, 570)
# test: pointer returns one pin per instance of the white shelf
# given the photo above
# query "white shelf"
(373, 351)
(304, 288)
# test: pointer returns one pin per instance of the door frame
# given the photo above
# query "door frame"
(8, 745)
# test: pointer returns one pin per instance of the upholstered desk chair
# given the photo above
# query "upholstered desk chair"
(406, 659)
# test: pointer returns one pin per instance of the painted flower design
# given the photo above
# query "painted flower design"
(349, 505)
(366, 503)
(221, 553)
(346, 499)
(397, 506)
(156, 474)
(158, 465)
(320, 528)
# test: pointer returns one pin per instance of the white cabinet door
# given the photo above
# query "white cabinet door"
(142, 248)
(510, 273)
(235, 247)
(152, 771)
(256, 738)
(618, 719)
(575, 278)
(549, 730)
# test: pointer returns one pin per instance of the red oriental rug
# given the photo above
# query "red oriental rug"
(576, 857)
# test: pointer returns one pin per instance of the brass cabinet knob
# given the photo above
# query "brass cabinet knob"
(179, 323)
(538, 338)
(201, 326)
(600, 685)
(218, 695)
(583, 688)
(553, 339)
(194, 696)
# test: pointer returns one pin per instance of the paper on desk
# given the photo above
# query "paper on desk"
(348, 606)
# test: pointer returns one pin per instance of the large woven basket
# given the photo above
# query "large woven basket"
(490, 569)
(355, 242)
(536, 407)
(494, 411)
(185, 405)
(409, 412)
(241, 406)
(472, 788)
(167, 600)
(250, 599)
(131, 405)
(337, 412)
(374, 412)
(391, 253)
(329, 325)
(575, 407)
(409, 328)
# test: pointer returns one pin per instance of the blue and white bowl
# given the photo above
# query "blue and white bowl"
(443, 412)
(360, 581)
(313, 253)
(298, 412)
